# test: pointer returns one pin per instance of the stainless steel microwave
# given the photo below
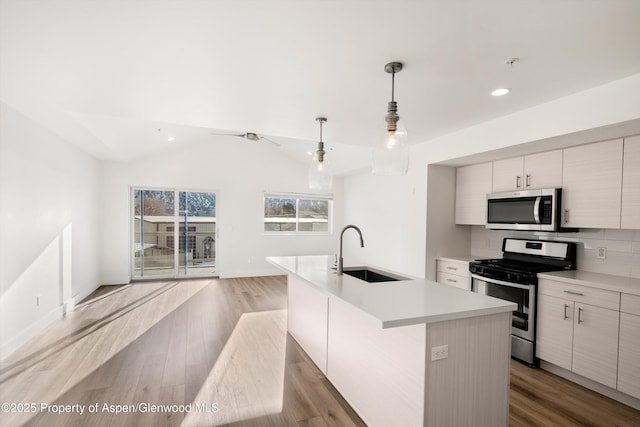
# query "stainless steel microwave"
(537, 210)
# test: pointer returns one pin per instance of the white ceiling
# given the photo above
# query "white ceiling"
(108, 74)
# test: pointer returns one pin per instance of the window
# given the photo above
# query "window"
(297, 214)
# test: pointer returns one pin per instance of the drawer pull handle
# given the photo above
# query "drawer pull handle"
(452, 268)
(580, 294)
(452, 280)
(579, 315)
(565, 312)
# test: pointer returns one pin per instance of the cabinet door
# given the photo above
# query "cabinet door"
(595, 343)
(307, 319)
(631, 183)
(473, 183)
(554, 330)
(507, 174)
(381, 372)
(543, 170)
(592, 185)
(629, 358)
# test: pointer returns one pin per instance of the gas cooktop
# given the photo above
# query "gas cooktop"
(523, 259)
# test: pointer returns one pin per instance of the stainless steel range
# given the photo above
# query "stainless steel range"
(514, 278)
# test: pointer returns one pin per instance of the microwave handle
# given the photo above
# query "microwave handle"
(536, 210)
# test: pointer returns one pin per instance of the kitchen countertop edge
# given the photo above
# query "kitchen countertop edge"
(609, 282)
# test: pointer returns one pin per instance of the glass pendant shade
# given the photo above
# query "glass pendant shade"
(391, 152)
(320, 174)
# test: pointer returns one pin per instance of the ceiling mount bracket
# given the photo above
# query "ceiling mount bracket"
(393, 67)
(512, 61)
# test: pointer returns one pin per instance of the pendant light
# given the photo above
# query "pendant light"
(320, 170)
(391, 152)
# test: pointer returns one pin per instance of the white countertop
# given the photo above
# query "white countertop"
(609, 282)
(392, 304)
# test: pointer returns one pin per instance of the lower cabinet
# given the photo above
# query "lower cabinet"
(381, 372)
(595, 343)
(576, 334)
(453, 273)
(629, 357)
(555, 331)
(307, 319)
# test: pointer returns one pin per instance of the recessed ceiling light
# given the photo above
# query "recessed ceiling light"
(500, 92)
(171, 138)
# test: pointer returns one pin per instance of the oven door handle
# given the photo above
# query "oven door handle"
(500, 282)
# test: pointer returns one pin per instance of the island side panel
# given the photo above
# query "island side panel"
(380, 372)
(471, 386)
(307, 319)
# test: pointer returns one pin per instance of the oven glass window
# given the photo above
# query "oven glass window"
(520, 317)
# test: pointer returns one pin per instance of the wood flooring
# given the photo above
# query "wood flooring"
(216, 352)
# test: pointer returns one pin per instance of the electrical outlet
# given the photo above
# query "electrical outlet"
(602, 253)
(440, 352)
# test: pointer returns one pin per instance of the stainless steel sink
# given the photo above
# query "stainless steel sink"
(372, 276)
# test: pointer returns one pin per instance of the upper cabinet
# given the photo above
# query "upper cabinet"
(592, 185)
(600, 183)
(507, 174)
(473, 183)
(631, 183)
(542, 170)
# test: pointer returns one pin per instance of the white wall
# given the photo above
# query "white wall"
(398, 234)
(444, 237)
(48, 224)
(391, 212)
(240, 172)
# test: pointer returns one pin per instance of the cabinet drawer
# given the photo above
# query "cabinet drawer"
(630, 304)
(451, 267)
(453, 280)
(578, 293)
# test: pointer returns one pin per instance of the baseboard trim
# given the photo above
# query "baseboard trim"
(591, 385)
(39, 325)
(254, 273)
(77, 298)
(30, 331)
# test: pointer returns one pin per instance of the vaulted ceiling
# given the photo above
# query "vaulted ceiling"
(118, 77)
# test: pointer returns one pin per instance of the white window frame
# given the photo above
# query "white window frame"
(298, 197)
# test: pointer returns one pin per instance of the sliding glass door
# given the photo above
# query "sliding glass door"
(174, 233)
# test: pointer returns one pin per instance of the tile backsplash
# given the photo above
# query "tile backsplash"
(622, 247)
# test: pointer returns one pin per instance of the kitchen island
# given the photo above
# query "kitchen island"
(403, 353)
